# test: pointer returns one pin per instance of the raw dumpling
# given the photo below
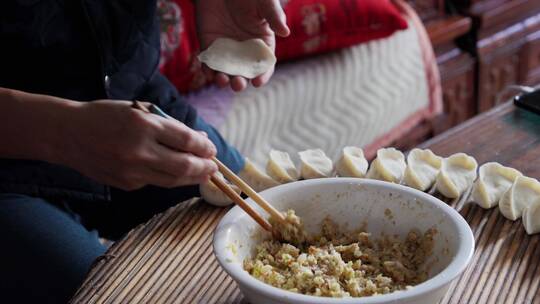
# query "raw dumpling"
(352, 163)
(531, 218)
(422, 169)
(524, 192)
(457, 173)
(213, 195)
(281, 168)
(315, 164)
(249, 58)
(493, 180)
(388, 166)
(256, 178)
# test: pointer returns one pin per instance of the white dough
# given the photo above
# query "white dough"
(457, 174)
(281, 168)
(315, 164)
(422, 169)
(352, 163)
(531, 218)
(493, 180)
(249, 58)
(523, 192)
(388, 166)
(213, 195)
(256, 178)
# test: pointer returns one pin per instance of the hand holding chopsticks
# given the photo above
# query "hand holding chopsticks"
(231, 176)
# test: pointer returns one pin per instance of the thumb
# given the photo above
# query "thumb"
(272, 11)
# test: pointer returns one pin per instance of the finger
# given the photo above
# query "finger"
(179, 137)
(238, 83)
(222, 80)
(146, 104)
(209, 74)
(272, 11)
(180, 164)
(262, 79)
(203, 133)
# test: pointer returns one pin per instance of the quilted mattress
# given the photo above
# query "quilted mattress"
(366, 95)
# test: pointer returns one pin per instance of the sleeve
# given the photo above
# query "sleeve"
(162, 93)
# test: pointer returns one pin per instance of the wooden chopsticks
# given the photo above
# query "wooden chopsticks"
(237, 199)
(248, 190)
(223, 186)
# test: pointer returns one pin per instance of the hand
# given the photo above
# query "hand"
(240, 20)
(126, 148)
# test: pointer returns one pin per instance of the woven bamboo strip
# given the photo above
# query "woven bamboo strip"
(194, 270)
(178, 260)
(97, 276)
(176, 275)
(507, 265)
(155, 266)
(136, 259)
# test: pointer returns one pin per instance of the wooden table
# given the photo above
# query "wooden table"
(170, 260)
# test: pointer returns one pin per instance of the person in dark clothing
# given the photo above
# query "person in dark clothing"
(76, 159)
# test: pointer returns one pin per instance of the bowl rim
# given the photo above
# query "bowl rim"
(458, 264)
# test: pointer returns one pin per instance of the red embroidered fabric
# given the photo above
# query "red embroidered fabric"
(179, 45)
(317, 26)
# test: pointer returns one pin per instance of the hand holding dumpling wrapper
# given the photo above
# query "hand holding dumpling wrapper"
(249, 58)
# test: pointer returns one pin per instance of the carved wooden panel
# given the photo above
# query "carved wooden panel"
(508, 56)
(459, 101)
(495, 75)
(428, 9)
(530, 53)
(506, 44)
(530, 63)
(499, 64)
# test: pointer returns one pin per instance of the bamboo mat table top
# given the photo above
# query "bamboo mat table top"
(170, 259)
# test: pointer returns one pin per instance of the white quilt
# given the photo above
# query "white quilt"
(352, 97)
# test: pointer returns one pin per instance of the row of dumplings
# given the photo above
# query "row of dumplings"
(517, 196)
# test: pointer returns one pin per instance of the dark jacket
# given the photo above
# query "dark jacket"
(85, 50)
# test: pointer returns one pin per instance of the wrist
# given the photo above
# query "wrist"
(39, 124)
(32, 126)
(59, 116)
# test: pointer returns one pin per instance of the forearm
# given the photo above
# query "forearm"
(31, 125)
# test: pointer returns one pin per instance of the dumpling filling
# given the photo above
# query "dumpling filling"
(336, 264)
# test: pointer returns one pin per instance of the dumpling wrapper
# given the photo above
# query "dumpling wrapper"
(457, 174)
(248, 58)
(315, 164)
(352, 163)
(213, 195)
(523, 192)
(255, 177)
(388, 166)
(422, 169)
(493, 180)
(531, 218)
(281, 168)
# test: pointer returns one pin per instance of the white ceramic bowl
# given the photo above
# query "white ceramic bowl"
(351, 202)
